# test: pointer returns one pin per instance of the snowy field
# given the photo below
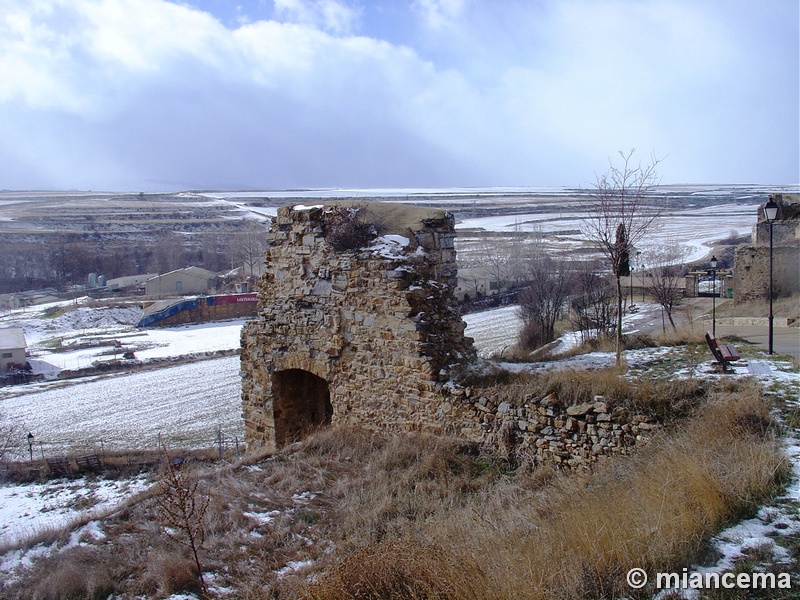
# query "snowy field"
(80, 334)
(183, 404)
(707, 225)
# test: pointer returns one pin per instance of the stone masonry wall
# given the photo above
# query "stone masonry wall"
(545, 430)
(377, 324)
(751, 272)
(372, 336)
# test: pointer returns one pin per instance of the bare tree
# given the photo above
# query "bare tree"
(592, 309)
(667, 273)
(8, 439)
(543, 302)
(249, 246)
(182, 512)
(619, 217)
(494, 257)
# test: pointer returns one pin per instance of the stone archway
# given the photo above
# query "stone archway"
(301, 401)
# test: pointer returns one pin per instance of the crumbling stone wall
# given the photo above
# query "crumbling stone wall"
(751, 272)
(378, 324)
(372, 336)
(545, 430)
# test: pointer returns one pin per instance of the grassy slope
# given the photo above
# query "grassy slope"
(413, 516)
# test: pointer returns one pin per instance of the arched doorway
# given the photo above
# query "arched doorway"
(301, 401)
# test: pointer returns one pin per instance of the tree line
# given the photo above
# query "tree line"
(61, 260)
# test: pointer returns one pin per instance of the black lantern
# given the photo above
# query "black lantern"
(714, 264)
(770, 214)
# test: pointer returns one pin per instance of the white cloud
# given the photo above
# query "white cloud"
(328, 15)
(440, 14)
(147, 93)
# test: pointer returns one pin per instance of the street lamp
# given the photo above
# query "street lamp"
(713, 264)
(631, 276)
(641, 279)
(30, 444)
(770, 214)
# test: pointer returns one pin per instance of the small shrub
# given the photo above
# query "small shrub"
(182, 511)
(398, 570)
(348, 231)
(167, 573)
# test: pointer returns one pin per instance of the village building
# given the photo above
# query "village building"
(191, 280)
(12, 348)
(751, 261)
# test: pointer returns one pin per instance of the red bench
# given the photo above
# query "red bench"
(723, 353)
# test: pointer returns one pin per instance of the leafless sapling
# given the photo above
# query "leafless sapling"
(619, 216)
(182, 510)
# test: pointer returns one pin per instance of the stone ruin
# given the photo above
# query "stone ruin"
(364, 335)
(370, 334)
(751, 261)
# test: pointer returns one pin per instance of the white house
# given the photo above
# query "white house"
(12, 347)
(191, 280)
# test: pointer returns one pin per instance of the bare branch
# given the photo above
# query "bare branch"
(182, 513)
(619, 216)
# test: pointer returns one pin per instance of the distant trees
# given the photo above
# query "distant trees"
(248, 246)
(593, 311)
(503, 259)
(543, 301)
(666, 276)
(618, 217)
(60, 260)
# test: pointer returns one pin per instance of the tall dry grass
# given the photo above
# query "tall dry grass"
(416, 516)
(578, 536)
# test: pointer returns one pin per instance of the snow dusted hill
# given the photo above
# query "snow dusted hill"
(184, 404)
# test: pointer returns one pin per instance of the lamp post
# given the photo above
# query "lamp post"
(713, 264)
(631, 276)
(30, 444)
(770, 214)
(641, 279)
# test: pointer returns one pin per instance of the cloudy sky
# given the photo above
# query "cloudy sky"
(276, 94)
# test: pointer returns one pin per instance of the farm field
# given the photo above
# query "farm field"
(184, 405)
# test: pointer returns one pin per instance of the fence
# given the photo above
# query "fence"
(34, 457)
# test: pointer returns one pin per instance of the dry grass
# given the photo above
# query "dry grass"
(661, 398)
(578, 536)
(782, 307)
(415, 516)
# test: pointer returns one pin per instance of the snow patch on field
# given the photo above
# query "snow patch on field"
(28, 509)
(181, 405)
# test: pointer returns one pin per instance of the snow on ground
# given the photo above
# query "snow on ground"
(30, 508)
(80, 334)
(707, 225)
(493, 330)
(185, 404)
(182, 404)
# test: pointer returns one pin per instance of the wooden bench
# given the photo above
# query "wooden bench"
(90, 462)
(724, 354)
(59, 465)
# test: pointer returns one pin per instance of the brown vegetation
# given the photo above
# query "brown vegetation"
(414, 516)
